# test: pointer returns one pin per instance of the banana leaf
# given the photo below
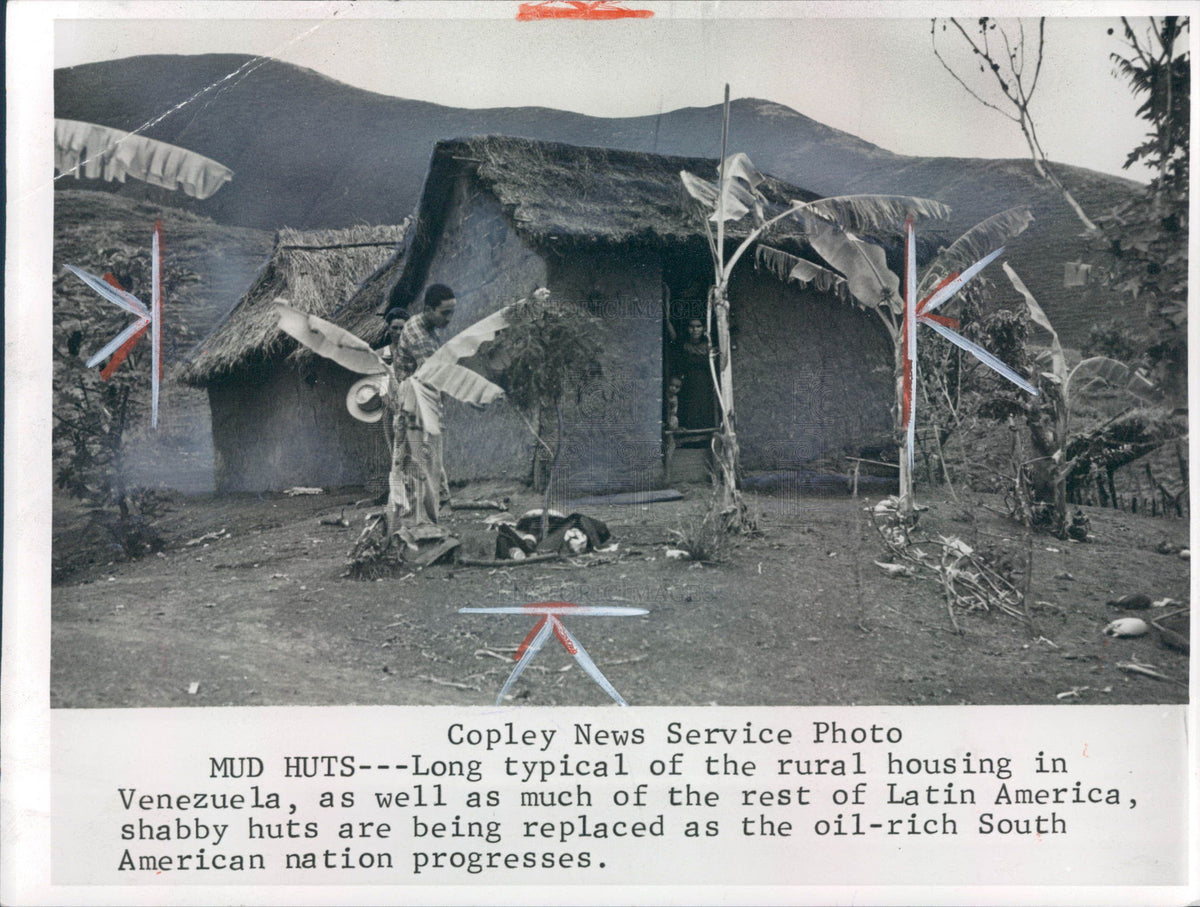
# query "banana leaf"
(739, 201)
(786, 266)
(99, 152)
(872, 212)
(442, 371)
(738, 167)
(864, 264)
(327, 339)
(1058, 360)
(975, 244)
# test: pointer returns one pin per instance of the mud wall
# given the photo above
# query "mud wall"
(277, 425)
(614, 431)
(488, 266)
(812, 375)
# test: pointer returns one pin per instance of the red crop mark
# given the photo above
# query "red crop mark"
(561, 632)
(945, 280)
(524, 646)
(158, 302)
(942, 319)
(122, 352)
(579, 9)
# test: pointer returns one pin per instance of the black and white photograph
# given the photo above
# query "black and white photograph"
(706, 381)
(609, 354)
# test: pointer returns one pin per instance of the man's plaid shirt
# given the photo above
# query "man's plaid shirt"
(418, 341)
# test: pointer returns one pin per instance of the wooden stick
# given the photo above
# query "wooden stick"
(532, 559)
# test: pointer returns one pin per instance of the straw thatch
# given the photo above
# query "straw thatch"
(317, 271)
(556, 195)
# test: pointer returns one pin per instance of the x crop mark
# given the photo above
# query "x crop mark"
(150, 320)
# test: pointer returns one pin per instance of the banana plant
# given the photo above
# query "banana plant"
(1065, 388)
(417, 395)
(860, 273)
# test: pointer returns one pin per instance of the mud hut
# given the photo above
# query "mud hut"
(615, 233)
(279, 416)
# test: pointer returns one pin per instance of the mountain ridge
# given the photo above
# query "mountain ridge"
(309, 151)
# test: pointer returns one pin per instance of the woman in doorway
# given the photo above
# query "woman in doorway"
(697, 396)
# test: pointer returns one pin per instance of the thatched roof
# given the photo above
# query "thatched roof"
(556, 195)
(317, 271)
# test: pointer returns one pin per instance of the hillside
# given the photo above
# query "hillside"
(308, 151)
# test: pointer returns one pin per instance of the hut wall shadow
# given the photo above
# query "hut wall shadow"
(274, 427)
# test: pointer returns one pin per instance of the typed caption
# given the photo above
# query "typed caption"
(593, 796)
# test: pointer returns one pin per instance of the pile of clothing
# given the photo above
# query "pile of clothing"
(572, 533)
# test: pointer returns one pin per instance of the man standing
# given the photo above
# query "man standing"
(418, 341)
(396, 319)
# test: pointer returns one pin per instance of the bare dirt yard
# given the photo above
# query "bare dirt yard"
(261, 614)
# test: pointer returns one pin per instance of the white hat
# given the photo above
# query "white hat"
(365, 399)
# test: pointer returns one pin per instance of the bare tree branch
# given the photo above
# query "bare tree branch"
(1010, 78)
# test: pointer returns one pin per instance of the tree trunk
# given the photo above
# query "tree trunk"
(1059, 523)
(725, 444)
(558, 445)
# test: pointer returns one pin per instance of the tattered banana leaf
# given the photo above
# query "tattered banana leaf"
(1101, 372)
(442, 371)
(864, 264)
(466, 385)
(327, 339)
(871, 212)
(99, 152)
(738, 167)
(739, 201)
(786, 266)
(975, 244)
(1058, 360)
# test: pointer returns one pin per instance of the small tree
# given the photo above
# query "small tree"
(1146, 238)
(551, 350)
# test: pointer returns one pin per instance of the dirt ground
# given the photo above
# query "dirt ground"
(262, 615)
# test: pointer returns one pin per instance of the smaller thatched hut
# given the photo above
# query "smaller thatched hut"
(279, 412)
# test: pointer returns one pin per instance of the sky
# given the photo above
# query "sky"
(874, 77)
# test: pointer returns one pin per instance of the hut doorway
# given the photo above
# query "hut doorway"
(691, 412)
